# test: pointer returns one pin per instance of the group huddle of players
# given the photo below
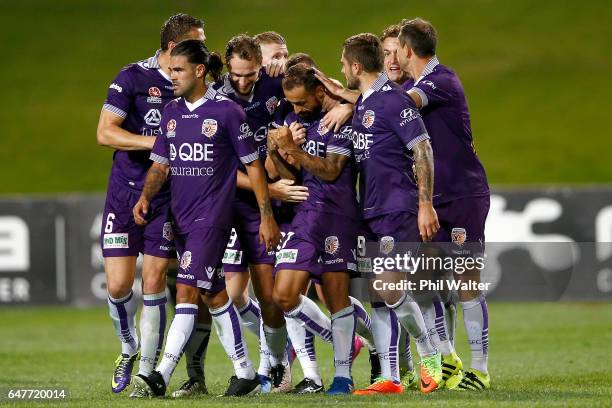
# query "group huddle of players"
(251, 176)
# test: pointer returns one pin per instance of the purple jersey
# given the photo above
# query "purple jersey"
(386, 126)
(259, 107)
(138, 95)
(203, 142)
(338, 196)
(458, 171)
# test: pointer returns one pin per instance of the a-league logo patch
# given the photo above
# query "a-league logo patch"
(368, 119)
(458, 236)
(209, 127)
(167, 232)
(186, 260)
(271, 104)
(170, 127)
(332, 245)
(154, 95)
(387, 244)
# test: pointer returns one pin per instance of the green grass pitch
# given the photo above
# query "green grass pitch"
(541, 354)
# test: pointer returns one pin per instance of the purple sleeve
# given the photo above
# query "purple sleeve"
(341, 143)
(405, 120)
(159, 153)
(240, 134)
(432, 91)
(119, 96)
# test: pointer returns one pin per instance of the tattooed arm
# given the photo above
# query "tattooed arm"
(269, 233)
(424, 174)
(156, 177)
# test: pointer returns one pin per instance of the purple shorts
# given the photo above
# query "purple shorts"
(387, 229)
(244, 247)
(462, 223)
(200, 254)
(319, 242)
(120, 236)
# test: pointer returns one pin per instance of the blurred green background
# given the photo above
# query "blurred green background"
(536, 75)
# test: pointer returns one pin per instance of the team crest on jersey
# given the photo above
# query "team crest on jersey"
(154, 95)
(186, 260)
(368, 119)
(167, 232)
(386, 244)
(458, 236)
(332, 245)
(322, 129)
(271, 104)
(209, 127)
(170, 127)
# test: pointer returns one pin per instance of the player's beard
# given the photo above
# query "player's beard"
(310, 115)
(353, 83)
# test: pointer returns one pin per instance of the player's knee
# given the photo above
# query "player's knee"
(154, 284)
(118, 288)
(285, 301)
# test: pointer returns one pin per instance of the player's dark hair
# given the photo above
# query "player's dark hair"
(176, 28)
(366, 50)
(300, 58)
(420, 35)
(197, 53)
(390, 32)
(300, 75)
(270, 37)
(245, 47)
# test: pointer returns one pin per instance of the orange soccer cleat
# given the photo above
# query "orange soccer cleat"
(381, 386)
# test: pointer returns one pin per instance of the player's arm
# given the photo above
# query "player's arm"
(336, 89)
(424, 173)
(111, 134)
(327, 169)
(156, 177)
(429, 93)
(337, 116)
(418, 101)
(269, 234)
(283, 189)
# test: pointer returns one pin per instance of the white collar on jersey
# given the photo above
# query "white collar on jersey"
(210, 94)
(429, 67)
(153, 63)
(376, 86)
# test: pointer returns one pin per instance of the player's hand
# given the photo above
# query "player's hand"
(286, 190)
(272, 145)
(333, 87)
(269, 234)
(335, 118)
(275, 68)
(298, 132)
(283, 138)
(140, 211)
(428, 221)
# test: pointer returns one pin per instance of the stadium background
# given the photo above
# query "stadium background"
(536, 77)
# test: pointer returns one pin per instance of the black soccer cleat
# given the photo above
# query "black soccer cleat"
(242, 386)
(147, 387)
(307, 386)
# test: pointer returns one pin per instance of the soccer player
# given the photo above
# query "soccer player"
(390, 138)
(390, 45)
(322, 237)
(203, 138)
(129, 123)
(247, 84)
(274, 52)
(461, 193)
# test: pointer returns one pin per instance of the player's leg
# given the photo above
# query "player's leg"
(467, 237)
(402, 229)
(343, 325)
(153, 315)
(122, 241)
(120, 272)
(195, 355)
(408, 375)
